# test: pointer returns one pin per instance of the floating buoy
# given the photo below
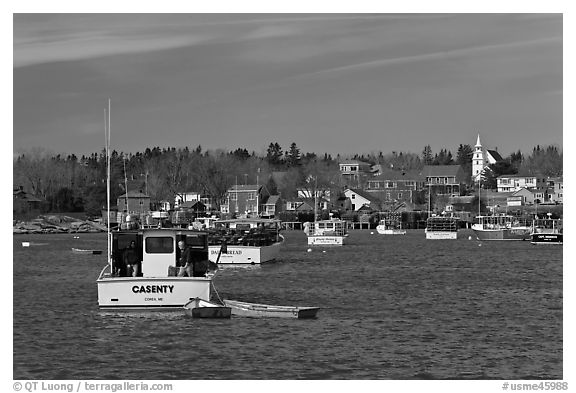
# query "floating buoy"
(25, 244)
(76, 237)
(479, 244)
(469, 237)
(309, 250)
(323, 251)
(371, 233)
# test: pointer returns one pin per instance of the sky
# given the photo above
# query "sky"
(337, 83)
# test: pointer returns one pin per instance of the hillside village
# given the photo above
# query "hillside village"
(362, 194)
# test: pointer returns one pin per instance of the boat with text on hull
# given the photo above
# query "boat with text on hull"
(332, 232)
(256, 310)
(157, 284)
(245, 241)
(547, 231)
(501, 227)
(441, 228)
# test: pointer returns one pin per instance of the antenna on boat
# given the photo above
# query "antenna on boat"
(107, 148)
(126, 185)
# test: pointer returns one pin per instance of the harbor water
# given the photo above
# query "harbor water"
(392, 307)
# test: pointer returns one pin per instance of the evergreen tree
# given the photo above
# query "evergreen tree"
(427, 155)
(293, 156)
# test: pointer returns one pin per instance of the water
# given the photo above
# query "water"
(393, 307)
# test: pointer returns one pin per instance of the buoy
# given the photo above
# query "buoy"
(480, 245)
(469, 237)
(25, 244)
(323, 251)
(371, 233)
(309, 250)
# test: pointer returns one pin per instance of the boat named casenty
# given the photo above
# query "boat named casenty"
(245, 241)
(157, 285)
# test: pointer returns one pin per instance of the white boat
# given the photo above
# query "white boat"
(199, 308)
(247, 241)
(441, 228)
(331, 232)
(547, 231)
(390, 227)
(86, 251)
(157, 286)
(501, 227)
(256, 310)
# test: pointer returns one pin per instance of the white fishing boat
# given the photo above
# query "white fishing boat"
(390, 227)
(547, 231)
(331, 232)
(441, 228)
(501, 227)
(245, 241)
(156, 285)
(256, 310)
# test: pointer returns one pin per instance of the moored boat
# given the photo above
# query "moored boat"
(441, 228)
(86, 251)
(501, 227)
(331, 232)
(547, 231)
(200, 308)
(247, 241)
(256, 310)
(390, 227)
(157, 285)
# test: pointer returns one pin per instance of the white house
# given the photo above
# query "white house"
(508, 183)
(360, 198)
(482, 158)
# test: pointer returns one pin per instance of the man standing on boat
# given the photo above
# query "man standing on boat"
(131, 260)
(184, 262)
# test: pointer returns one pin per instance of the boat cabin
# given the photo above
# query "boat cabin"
(442, 224)
(330, 228)
(157, 249)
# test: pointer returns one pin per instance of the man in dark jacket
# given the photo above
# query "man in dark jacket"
(184, 262)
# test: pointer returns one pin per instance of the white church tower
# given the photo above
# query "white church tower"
(478, 161)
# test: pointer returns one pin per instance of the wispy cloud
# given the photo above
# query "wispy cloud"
(429, 56)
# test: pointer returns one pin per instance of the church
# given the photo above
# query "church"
(481, 159)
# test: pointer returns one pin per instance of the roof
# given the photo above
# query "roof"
(440, 170)
(191, 204)
(391, 174)
(245, 187)
(364, 194)
(272, 200)
(355, 162)
(134, 194)
(495, 155)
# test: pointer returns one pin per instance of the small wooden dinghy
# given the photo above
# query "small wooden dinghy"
(199, 308)
(269, 311)
(84, 251)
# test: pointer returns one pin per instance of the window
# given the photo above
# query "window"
(233, 196)
(389, 184)
(399, 195)
(388, 197)
(353, 196)
(251, 196)
(159, 245)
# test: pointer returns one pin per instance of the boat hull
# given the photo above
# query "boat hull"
(502, 234)
(326, 240)
(441, 235)
(151, 293)
(245, 255)
(198, 308)
(546, 238)
(254, 310)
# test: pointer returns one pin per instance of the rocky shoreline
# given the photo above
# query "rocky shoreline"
(57, 224)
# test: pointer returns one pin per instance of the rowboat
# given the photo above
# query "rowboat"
(256, 310)
(84, 251)
(199, 308)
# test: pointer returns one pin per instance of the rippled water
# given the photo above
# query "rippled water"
(393, 307)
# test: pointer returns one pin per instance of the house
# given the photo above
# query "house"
(354, 172)
(508, 183)
(193, 206)
(244, 199)
(133, 202)
(271, 206)
(556, 190)
(444, 179)
(24, 204)
(392, 186)
(521, 197)
(190, 196)
(360, 198)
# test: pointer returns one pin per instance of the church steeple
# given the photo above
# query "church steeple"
(478, 160)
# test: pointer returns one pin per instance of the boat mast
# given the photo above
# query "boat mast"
(107, 148)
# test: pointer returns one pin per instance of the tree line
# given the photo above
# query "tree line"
(72, 184)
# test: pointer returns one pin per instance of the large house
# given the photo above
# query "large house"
(392, 186)
(354, 172)
(249, 200)
(444, 179)
(133, 202)
(24, 204)
(508, 183)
